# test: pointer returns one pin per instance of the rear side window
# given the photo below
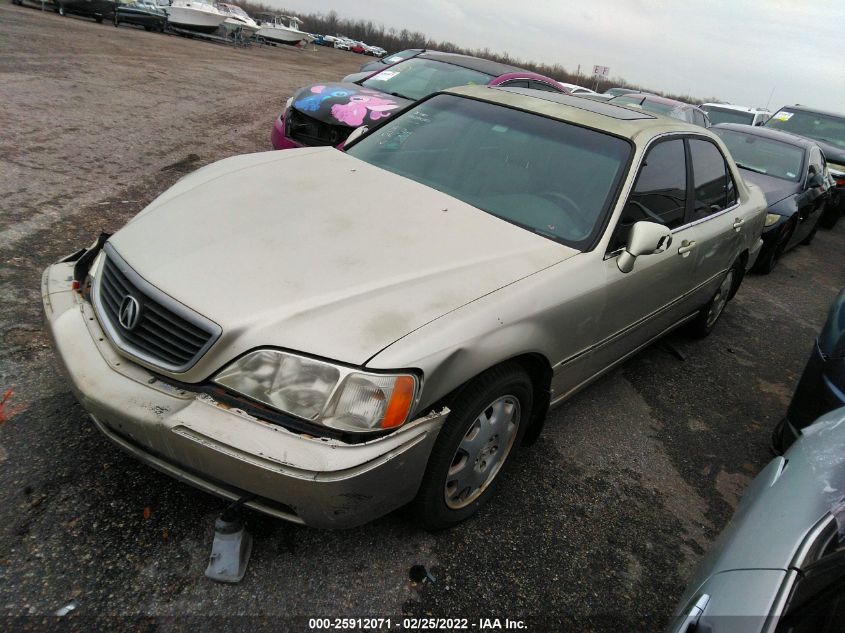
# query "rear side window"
(539, 85)
(660, 192)
(515, 83)
(713, 187)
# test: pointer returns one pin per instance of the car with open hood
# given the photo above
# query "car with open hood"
(326, 113)
(792, 173)
(828, 130)
(397, 323)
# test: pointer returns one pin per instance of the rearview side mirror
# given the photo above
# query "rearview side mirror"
(815, 180)
(357, 133)
(645, 238)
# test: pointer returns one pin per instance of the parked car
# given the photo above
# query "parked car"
(146, 13)
(667, 107)
(389, 60)
(822, 384)
(595, 96)
(343, 45)
(615, 92)
(575, 89)
(97, 9)
(325, 114)
(791, 172)
(729, 113)
(371, 348)
(779, 565)
(828, 130)
(357, 47)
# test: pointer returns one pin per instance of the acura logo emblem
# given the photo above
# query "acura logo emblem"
(130, 311)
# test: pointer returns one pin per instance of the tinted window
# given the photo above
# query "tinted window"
(660, 192)
(546, 176)
(539, 85)
(819, 127)
(515, 83)
(726, 115)
(763, 155)
(710, 179)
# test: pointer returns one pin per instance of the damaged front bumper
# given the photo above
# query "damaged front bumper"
(319, 482)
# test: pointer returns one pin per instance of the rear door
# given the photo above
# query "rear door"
(714, 216)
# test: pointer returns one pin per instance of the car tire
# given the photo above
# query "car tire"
(705, 321)
(61, 10)
(114, 20)
(487, 420)
(98, 19)
(767, 264)
(829, 217)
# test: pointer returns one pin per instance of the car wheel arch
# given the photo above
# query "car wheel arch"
(539, 371)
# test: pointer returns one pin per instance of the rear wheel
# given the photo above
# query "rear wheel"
(706, 319)
(810, 236)
(61, 9)
(98, 19)
(487, 420)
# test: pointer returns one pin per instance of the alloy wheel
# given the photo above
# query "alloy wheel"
(720, 300)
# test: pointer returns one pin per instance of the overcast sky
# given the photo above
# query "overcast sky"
(737, 50)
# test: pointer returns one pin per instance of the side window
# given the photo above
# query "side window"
(816, 161)
(710, 179)
(515, 83)
(539, 85)
(660, 192)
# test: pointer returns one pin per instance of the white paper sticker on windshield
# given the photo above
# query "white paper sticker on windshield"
(393, 59)
(783, 116)
(385, 75)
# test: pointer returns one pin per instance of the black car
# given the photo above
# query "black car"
(822, 385)
(97, 9)
(146, 13)
(828, 130)
(791, 172)
(389, 60)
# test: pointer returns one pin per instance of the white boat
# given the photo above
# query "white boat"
(203, 16)
(274, 29)
(237, 18)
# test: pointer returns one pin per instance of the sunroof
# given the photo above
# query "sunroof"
(599, 107)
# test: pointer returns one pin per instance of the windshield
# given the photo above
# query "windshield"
(819, 127)
(546, 176)
(417, 78)
(763, 155)
(724, 115)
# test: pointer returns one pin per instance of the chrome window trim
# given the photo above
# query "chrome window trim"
(160, 297)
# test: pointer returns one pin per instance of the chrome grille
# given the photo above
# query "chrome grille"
(164, 333)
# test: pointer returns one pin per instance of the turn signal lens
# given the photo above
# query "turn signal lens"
(771, 218)
(401, 402)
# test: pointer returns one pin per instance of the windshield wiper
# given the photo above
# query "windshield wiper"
(754, 169)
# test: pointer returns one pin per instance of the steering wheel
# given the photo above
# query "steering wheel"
(570, 209)
(647, 211)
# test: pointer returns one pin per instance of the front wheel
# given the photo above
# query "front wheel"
(706, 319)
(61, 10)
(487, 420)
(115, 20)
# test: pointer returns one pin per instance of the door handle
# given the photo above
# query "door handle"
(738, 224)
(685, 248)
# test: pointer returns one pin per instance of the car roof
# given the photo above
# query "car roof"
(768, 132)
(730, 106)
(496, 69)
(803, 108)
(619, 120)
(646, 96)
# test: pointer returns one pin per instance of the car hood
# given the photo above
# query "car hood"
(775, 189)
(346, 104)
(316, 251)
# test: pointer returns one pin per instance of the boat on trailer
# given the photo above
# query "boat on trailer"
(282, 29)
(202, 16)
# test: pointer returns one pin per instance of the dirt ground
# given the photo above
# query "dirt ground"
(596, 527)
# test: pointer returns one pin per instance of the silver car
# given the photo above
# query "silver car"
(337, 334)
(780, 563)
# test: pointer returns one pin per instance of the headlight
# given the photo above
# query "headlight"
(329, 394)
(771, 218)
(288, 104)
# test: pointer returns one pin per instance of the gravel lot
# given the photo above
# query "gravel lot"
(598, 524)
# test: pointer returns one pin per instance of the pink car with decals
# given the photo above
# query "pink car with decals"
(325, 114)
